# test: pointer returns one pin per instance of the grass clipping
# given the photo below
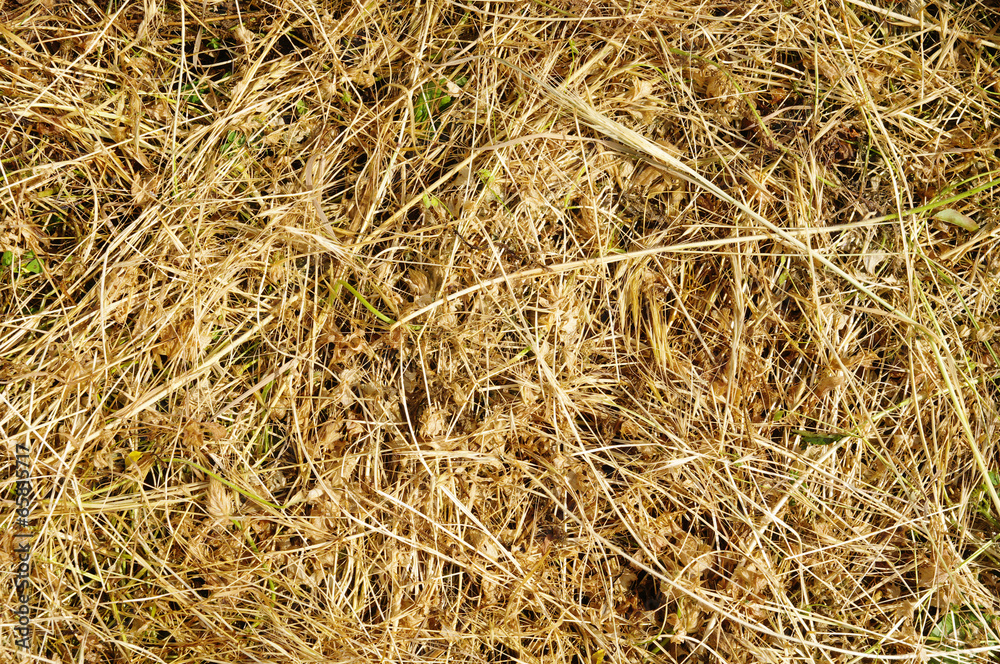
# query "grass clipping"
(502, 332)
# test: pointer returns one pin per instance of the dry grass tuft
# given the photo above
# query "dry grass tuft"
(503, 331)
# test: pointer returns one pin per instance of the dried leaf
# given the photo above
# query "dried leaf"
(956, 218)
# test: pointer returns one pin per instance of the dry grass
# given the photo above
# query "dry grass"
(503, 332)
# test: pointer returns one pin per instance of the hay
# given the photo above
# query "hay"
(502, 332)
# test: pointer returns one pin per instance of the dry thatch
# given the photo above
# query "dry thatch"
(482, 331)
